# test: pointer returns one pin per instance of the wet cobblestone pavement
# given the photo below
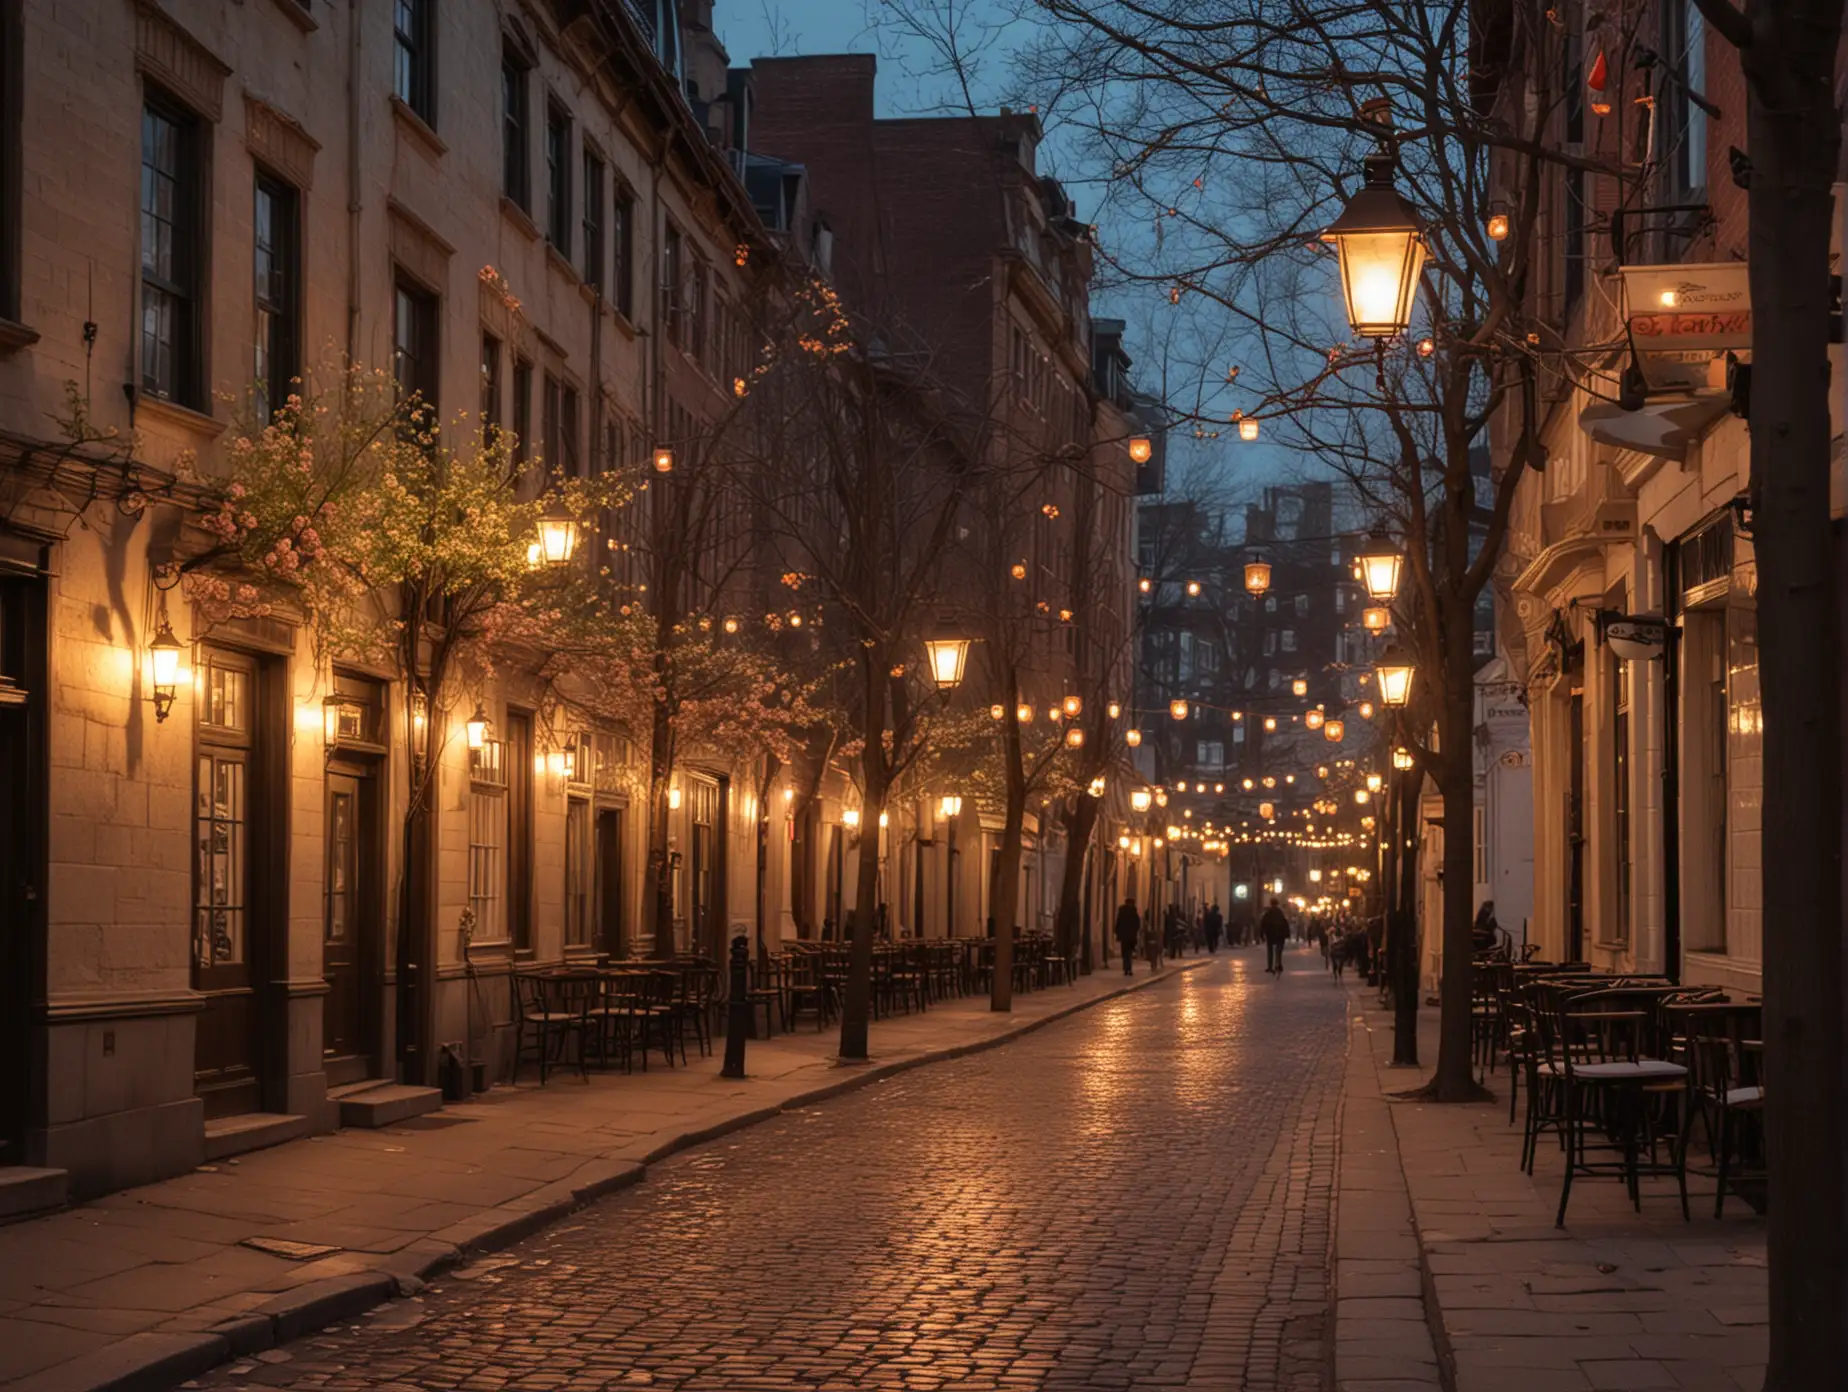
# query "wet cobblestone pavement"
(1138, 1197)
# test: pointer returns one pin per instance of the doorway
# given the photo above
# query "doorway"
(229, 940)
(22, 844)
(351, 943)
(610, 938)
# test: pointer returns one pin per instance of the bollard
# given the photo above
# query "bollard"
(738, 1017)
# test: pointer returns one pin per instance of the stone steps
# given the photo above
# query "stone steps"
(27, 1190)
(377, 1103)
(234, 1135)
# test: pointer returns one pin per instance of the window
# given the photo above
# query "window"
(413, 348)
(1684, 149)
(490, 383)
(515, 182)
(622, 231)
(698, 285)
(1302, 605)
(1289, 640)
(411, 58)
(558, 178)
(172, 253)
(560, 412)
(522, 408)
(594, 271)
(671, 269)
(278, 293)
(486, 820)
(222, 812)
(578, 873)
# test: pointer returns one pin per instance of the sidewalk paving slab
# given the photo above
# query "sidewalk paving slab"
(1616, 1300)
(145, 1288)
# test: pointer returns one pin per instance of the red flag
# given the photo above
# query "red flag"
(1595, 80)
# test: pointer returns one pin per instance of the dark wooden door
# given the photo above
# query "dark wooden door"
(350, 929)
(22, 847)
(228, 1046)
(609, 881)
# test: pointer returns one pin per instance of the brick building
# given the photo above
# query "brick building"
(942, 232)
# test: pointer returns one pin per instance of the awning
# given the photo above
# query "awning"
(1664, 428)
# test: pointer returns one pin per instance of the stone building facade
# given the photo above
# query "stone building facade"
(524, 211)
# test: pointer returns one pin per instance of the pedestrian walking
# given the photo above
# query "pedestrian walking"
(1274, 928)
(1215, 926)
(1128, 932)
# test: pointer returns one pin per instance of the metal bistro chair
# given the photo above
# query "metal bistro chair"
(1725, 1054)
(697, 1003)
(765, 992)
(554, 1009)
(1605, 1076)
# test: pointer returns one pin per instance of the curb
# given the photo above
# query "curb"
(155, 1361)
(1387, 1329)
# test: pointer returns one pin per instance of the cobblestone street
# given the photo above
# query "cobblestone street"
(1138, 1197)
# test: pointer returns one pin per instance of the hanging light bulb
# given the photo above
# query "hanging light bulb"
(1376, 618)
(1133, 738)
(997, 711)
(1072, 705)
(1177, 708)
(663, 460)
(1333, 730)
(1299, 687)
(1312, 720)
(1270, 724)
(1024, 713)
(1248, 429)
(1113, 710)
(1257, 575)
(1074, 738)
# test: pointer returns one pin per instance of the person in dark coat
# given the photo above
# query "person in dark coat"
(1274, 928)
(1128, 932)
(1215, 925)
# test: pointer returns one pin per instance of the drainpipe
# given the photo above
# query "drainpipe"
(353, 194)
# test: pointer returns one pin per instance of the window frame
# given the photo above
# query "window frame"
(557, 152)
(426, 360)
(595, 179)
(492, 356)
(183, 283)
(413, 52)
(622, 246)
(516, 128)
(520, 418)
(283, 350)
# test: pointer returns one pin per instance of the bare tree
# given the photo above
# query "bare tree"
(1222, 137)
(859, 462)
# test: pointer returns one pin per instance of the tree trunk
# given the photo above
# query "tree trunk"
(1005, 896)
(1455, 1079)
(660, 865)
(856, 1002)
(1795, 136)
(1079, 827)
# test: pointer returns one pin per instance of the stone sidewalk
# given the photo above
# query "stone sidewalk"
(1618, 1300)
(144, 1288)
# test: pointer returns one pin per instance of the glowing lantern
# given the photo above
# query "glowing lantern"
(1257, 575)
(1381, 252)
